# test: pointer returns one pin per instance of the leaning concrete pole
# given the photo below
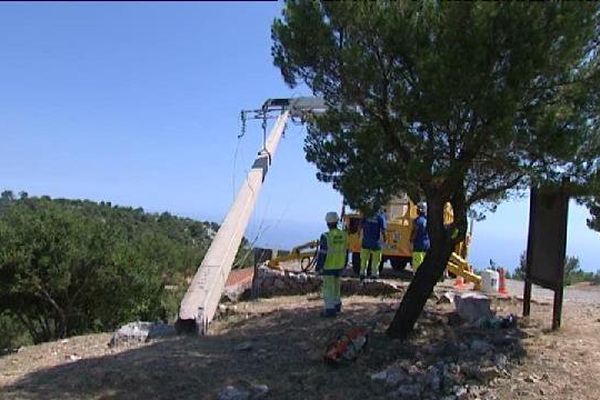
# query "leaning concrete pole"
(202, 297)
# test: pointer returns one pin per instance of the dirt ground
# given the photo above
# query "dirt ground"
(280, 342)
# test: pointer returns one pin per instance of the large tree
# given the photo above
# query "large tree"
(464, 103)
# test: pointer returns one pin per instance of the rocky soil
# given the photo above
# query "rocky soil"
(273, 348)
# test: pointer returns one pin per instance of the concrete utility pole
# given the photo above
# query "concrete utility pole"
(202, 297)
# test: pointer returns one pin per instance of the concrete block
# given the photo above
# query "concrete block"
(473, 306)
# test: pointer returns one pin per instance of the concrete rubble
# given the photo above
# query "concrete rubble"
(243, 390)
(472, 306)
(460, 368)
(140, 331)
(270, 282)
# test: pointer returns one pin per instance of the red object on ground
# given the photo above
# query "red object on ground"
(459, 282)
(347, 346)
(502, 282)
(240, 276)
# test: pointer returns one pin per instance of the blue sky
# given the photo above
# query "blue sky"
(139, 104)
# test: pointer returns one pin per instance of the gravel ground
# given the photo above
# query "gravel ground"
(583, 293)
(279, 342)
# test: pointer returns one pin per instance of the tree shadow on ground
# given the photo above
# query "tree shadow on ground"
(282, 349)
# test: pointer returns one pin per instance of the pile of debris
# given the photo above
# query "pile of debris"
(269, 282)
(140, 332)
(462, 365)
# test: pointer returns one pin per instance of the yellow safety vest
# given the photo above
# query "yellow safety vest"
(337, 245)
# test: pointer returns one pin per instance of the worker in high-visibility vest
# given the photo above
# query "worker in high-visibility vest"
(331, 261)
(373, 234)
(419, 237)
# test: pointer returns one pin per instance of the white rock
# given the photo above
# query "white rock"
(461, 392)
(74, 357)
(260, 391)
(447, 298)
(379, 376)
(473, 306)
(233, 393)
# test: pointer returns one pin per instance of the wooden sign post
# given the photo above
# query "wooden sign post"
(546, 246)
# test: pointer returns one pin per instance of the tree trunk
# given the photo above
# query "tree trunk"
(428, 273)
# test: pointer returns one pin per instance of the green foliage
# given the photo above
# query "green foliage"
(461, 101)
(519, 272)
(572, 272)
(12, 333)
(596, 278)
(69, 267)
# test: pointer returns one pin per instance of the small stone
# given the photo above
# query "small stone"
(259, 391)
(379, 376)
(501, 360)
(413, 370)
(530, 379)
(244, 346)
(233, 393)
(73, 357)
(446, 298)
(132, 332)
(461, 392)
(394, 376)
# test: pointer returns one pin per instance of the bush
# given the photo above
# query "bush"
(12, 333)
(70, 267)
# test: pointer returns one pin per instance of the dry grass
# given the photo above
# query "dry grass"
(287, 342)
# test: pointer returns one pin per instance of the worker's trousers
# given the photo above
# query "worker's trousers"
(417, 259)
(331, 290)
(375, 256)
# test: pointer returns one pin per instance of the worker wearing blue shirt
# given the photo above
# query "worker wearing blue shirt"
(373, 232)
(419, 237)
(331, 260)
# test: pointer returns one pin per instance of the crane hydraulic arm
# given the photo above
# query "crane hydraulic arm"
(200, 302)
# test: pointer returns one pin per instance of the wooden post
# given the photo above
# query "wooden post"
(557, 309)
(527, 298)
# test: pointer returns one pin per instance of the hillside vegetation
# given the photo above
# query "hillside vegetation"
(69, 267)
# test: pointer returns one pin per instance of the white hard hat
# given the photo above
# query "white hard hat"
(331, 217)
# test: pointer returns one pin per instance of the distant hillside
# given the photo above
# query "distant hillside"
(75, 266)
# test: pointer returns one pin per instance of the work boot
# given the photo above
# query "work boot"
(328, 313)
(362, 278)
(338, 307)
